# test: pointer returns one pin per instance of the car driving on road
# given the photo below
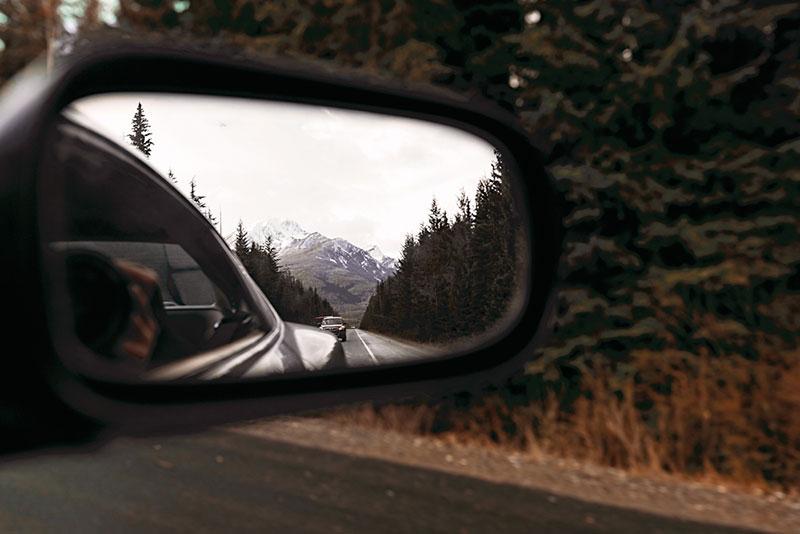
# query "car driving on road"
(336, 326)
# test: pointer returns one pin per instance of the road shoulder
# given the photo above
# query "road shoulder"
(663, 496)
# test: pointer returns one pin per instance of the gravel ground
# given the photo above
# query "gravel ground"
(775, 512)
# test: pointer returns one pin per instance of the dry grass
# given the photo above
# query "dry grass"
(727, 420)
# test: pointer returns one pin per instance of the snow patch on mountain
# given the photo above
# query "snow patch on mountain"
(283, 233)
(376, 253)
(387, 262)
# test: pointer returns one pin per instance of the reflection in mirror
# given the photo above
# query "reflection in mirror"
(210, 238)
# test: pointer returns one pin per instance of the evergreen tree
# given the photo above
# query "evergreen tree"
(211, 217)
(199, 201)
(462, 295)
(140, 135)
(241, 244)
(196, 199)
(406, 293)
(437, 218)
(171, 177)
(270, 267)
(271, 255)
(464, 214)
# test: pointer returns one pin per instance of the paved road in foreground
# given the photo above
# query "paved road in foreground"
(364, 348)
(224, 481)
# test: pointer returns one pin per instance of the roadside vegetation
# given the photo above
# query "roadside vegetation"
(721, 421)
(672, 130)
(457, 276)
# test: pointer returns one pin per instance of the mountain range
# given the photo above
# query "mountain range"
(342, 272)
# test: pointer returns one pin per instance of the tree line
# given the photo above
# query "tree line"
(455, 276)
(293, 301)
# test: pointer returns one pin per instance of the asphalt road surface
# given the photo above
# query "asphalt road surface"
(364, 348)
(224, 481)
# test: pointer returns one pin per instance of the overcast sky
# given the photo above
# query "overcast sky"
(364, 177)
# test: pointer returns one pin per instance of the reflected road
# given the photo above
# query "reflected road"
(364, 348)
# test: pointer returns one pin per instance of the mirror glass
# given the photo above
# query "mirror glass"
(214, 238)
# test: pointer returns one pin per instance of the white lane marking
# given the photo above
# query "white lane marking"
(374, 359)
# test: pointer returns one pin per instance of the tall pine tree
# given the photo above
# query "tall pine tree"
(241, 244)
(140, 135)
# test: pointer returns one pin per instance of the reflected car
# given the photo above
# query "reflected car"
(336, 326)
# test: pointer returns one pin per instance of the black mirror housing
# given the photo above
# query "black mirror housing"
(37, 382)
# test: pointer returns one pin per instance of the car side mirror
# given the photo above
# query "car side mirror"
(415, 249)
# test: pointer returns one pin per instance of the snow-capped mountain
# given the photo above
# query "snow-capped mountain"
(337, 252)
(342, 272)
(290, 239)
(283, 232)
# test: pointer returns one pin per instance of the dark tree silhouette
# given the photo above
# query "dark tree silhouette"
(140, 135)
(241, 244)
(455, 278)
(199, 201)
